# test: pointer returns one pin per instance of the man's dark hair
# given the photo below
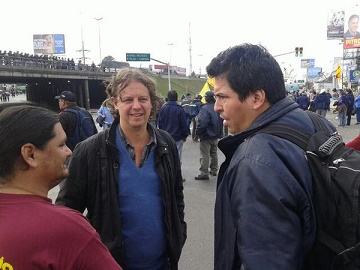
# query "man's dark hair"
(21, 124)
(172, 95)
(249, 68)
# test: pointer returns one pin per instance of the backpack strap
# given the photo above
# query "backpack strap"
(317, 122)
(299, 138)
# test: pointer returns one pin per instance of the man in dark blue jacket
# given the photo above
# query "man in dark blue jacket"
(303, 101)
(172, 118)
(209, 129)
(322, 103)
(264, 213)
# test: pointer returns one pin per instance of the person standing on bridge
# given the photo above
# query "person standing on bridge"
(76, 121)
(129, 179)
(35, 233)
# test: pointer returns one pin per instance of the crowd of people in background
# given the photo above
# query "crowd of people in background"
(42, 61)
(341, 101)
(7, 91)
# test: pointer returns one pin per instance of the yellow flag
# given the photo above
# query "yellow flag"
(338, 72)
(211, 81)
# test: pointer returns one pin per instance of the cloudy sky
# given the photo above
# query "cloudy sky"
(143, 26)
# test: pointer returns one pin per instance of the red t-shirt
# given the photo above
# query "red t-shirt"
(355, 143)
(35, 234)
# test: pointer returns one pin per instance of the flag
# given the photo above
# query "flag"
(209, 82)
(338, 72)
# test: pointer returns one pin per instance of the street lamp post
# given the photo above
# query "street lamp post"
(170, 44)
(82, 42)
(98, 20)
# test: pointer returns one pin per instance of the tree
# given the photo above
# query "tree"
(108, 58)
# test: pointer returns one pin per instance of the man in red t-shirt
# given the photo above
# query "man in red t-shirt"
(34, 233)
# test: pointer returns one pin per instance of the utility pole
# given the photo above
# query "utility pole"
(170, 44)
(98, 20)
(190, 52)
(82, 42)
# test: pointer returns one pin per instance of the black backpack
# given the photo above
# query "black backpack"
(85, 126)
(336, 183)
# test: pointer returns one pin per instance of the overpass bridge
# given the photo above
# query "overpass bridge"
(43, 84)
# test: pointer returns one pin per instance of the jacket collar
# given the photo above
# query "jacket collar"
(229, 144)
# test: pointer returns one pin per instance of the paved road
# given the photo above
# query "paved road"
(199, 198)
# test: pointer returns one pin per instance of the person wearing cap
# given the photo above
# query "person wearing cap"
(209, 129)
(69, 118)
(264, 212)
(322, 103)
(35, 233)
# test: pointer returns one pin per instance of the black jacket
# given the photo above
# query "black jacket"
(209, 124)
(264, 214)
(93, 184)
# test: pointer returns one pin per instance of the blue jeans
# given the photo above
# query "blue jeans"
(179, 146)
(342, 119)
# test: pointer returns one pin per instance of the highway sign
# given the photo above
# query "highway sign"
(137, 56)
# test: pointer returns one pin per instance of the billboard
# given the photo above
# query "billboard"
(354, 76)
(314, 72)
(307, 63)
(180, 71)
(352, 34)
(335, 24)
(49, 44)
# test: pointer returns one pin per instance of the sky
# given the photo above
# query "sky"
(144, 26)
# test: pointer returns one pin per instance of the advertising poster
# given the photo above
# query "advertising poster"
(352, 34)
(49, 44)
(335, 24)
(314, 72)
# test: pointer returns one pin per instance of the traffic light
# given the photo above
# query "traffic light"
(301, 51)
(296, 51)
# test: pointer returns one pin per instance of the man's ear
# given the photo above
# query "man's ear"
(28, 154)
(259, 99)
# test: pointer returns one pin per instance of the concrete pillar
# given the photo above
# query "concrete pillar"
(87, 95)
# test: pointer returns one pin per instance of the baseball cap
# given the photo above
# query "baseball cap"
(209, 94)
(67, 95)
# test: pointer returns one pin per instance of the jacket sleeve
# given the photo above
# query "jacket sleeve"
(183, 124)
(100, 111)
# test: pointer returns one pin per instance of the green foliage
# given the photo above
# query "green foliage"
(109, 58)
(181, 86)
